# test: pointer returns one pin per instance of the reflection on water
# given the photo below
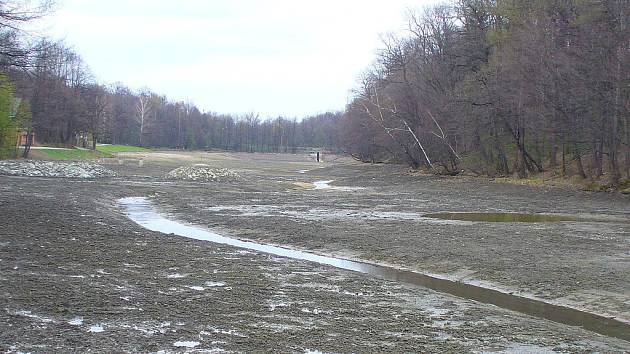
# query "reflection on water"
(502, 217)
(322, 184)
(140, 211)
(319, 185)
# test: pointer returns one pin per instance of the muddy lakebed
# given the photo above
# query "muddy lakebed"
(78, 274)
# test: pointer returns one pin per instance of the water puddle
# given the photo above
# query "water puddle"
(305, 212)
(140, 210)
(186, 344)
(98, 328)
(322, 184)
(502, 217)
(318, 185)
(514, 217)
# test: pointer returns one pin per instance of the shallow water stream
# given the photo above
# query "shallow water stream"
(141, 211)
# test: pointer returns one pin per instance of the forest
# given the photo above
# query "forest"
(61, 104)
(501, 88)
(489, 87)
(65, 102)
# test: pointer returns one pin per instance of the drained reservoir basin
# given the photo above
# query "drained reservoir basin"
(141, 211)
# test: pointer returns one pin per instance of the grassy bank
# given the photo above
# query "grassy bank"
(102, 151)
(598, 185)
(69, 154)
(110, 149)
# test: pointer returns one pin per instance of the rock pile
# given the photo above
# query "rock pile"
(202, 173)
(34, 168)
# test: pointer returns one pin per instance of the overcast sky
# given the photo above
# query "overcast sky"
(274, 57)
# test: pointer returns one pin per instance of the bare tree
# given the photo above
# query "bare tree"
(143, 109)
(98, 108)
(14, 15)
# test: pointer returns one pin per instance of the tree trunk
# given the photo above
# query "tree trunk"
(519, 164)
(28, 144)
(482, 149)
(530, 163)
(504, 167)
(553, 161)
(597, 159)
(614, 145)
(564, 159)
(615, 174)
(578, 159)
(627, 134)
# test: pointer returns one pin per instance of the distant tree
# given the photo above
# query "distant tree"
(8, 121)
(14, 15)
(180, 109)
(501, 87)
(58, 93)
(98, 105)
(24, 120)
(191, 141)
(143, 108)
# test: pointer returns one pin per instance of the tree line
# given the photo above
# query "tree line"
(67, 107)
(493, 87)
(501, 87)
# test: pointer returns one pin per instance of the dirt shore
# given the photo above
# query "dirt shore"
(77, 275)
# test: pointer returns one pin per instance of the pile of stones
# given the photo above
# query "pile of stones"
(34, 168)
(202, 173)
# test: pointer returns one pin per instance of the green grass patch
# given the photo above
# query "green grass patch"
(73, 154)
(110, 149)
(535, 180)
